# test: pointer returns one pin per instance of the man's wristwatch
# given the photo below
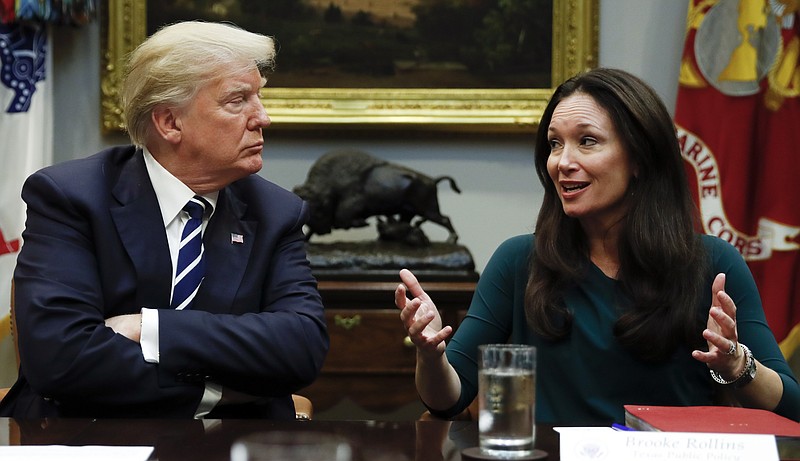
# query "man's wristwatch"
(745, 377)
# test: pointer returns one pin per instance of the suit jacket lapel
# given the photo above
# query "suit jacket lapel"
(226, 254)
(140, 227)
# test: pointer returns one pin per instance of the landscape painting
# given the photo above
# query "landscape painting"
(474, 65)
(390, 43)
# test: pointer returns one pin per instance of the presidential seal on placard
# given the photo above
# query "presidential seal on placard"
(591, 449)
(736, 45)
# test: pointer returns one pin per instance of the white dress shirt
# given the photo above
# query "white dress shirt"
(172, 196)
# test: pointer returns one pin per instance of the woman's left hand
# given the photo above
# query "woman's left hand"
(724, 355)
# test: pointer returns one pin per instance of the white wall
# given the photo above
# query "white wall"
(645, 37)
(501, 194)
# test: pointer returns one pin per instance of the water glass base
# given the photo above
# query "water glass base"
(475, 454)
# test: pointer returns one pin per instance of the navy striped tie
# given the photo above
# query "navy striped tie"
(191, 267)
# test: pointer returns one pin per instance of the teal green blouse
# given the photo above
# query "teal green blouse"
(586, 378)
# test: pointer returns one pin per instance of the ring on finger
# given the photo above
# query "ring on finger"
(732, 349)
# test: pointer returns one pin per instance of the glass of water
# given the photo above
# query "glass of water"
(506, 399)
(291, 446)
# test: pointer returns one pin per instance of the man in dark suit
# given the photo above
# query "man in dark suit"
(111, 320)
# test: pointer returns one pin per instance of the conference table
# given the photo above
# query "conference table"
(183, 440)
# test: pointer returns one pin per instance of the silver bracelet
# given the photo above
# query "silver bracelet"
(748, 364)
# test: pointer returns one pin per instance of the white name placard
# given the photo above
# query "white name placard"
(584, 444)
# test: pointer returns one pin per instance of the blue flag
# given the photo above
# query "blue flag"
(25, 146)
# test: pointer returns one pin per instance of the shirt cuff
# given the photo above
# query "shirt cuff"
(149, 335)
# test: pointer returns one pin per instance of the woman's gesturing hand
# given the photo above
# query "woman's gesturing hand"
(420, 317)
(724, 355)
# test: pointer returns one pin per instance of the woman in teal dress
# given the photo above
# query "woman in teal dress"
(624, 300)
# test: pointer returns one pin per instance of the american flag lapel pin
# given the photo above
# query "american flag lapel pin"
(237, 238)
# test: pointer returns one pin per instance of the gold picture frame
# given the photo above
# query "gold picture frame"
(575, 48)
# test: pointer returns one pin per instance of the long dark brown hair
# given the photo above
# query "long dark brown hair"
(662, 259)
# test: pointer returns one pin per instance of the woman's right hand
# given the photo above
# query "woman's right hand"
(420, 317)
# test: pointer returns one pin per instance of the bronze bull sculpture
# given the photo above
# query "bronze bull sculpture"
(345, 187)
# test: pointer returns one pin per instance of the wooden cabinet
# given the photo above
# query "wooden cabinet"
(369, 371)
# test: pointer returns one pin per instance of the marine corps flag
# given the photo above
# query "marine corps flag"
(738, 121)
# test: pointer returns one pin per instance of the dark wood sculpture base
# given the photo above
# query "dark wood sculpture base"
(377, 260)
(369, 348)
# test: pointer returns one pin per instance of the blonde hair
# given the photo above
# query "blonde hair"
(174, 63)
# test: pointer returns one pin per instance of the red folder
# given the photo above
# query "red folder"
(720, 419)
